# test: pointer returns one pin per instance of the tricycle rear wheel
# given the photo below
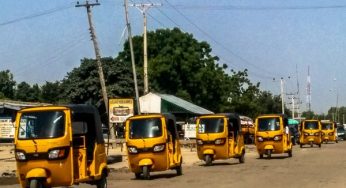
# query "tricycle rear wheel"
(137, 175)
(242, 157)
(102, 183)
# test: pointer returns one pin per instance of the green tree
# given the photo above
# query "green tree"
(309, 115)
(23, 92)
(182, 66)
(51, 92)
(7, 84)
(82, 84)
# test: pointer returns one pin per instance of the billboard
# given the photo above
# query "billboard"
(120, 110)
(6, 128)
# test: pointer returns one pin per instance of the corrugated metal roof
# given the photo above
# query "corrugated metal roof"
(181, 103)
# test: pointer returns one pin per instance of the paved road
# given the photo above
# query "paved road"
(309, 167)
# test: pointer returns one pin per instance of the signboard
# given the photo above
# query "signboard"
(120, 110)
(190, 130)
(6, 128)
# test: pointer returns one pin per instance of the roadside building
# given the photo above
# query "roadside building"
(8, 110)
(184, 111)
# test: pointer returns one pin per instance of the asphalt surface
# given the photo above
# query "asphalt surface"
(309, 167)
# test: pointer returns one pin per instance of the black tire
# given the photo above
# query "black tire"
(336, 141)
(146, 172)
(179, 169)
(208, 160)
(261, 156)
(311, 144)
(137, 175)
(269, 154)
(242, 157)
(301, 145)
(36, 183)
(102, 183)
(319, 145)
(290, 153)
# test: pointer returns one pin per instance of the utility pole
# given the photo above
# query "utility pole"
(292, 97)
(282, 95)
(132, 55)
(88, 7)
(308, 90)
(143, 7)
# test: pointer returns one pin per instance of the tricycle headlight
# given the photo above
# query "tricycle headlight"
(277, 138)
(331, 134)
(306, 134)
(199, 142)
(132, 150)
(260, 139)
(57, 153)
(20, 156)
(316, 134)
(219, 141)
(159, 147)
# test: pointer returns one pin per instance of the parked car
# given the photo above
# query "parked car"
(341, 133)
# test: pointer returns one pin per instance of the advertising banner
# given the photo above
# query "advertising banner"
(120, 110)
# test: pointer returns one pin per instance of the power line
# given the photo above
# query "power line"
(219, 43)
(46, 12)
(255, 74)
(256, 8)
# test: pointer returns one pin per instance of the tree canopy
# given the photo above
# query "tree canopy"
(178, 64)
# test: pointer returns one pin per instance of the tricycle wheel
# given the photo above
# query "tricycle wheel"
(311, 144)
(146, 173)
(35, 183)
(102, 183)
(336, 141)
(290, 153)
(137, 175)
(269, 154)
(261, 156)
(242, 157)
(301, 145)
(208, 160)
(179, 168)
(319, 145)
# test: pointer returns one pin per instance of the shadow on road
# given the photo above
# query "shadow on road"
(221, 164)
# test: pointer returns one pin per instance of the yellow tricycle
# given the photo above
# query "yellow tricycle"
(310, 133)
(152, 144)
(219, 137)
(328, 131)
(60, 146)
(272, 135)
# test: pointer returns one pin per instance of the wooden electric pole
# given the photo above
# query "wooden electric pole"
(143, 7)
(132, 55)
(97, 50)
(88, 7)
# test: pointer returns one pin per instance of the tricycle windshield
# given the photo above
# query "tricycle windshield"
(40, 125)
(311, 125)
(211, 125)
(269, 124)
(145, 128)
(327, 126)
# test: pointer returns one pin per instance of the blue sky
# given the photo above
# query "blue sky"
(268, 37)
